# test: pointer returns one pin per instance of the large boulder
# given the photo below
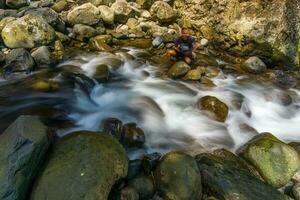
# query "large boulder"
(83, 165)
(214, 106)
(18, 60)
(227, 177)
(50, 16)
(268, 29)
(177, 177)
(122, 11)
(178, 69)
(87, 14)
(276, 161)
(23, 146)
(163, 12)
(27, 32)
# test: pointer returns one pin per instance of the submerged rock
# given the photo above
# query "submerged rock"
(178, 69)
(86, 164)
(102, 73)
(23, 146)
(214, 106)
(255, 65)
(87, 14)
(163, 12)
(133, 135)
(227, 177)
(276, 161)
(28, 32)
(177, 177)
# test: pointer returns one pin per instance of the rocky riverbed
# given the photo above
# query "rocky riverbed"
(92, 108)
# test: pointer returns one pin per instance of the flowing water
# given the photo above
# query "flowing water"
(165, 109)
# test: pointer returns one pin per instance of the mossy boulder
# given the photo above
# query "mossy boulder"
(214, 106)
(296, 146)
(83, 165)
(178, 69)
(177, 177)
(195, 74)
(27, 32)
(227, 177)
(23, 146)
(87, 14)
(163, 12)
(276, 161)
(143, 185)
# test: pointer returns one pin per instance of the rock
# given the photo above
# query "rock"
(214, 106)
(15, 4)
(145, 4)
(23, 147)
(2, 57)
(87, 14)
(129, 193)
(7, 13)
(45, 86)
(296, 146)
(83, 32)
(296, 191)
(158, 40)
(255, 65)
(50, 16)
(62, 37)
(163, 12)
(18, 60)
(5, 21)
(226, 176)
(87, 164)
(276, 161)
(27, 32)
(59, 50)
(60, 6)
(178, 69)
(177, 177)
(122, 11)
(195, 74)
(283, 79)
(102, 73)
(143, 185)
(107, 14)
(150, 161)
(113, 126)
(42, 56)
(204, 42)
(133, 135)
(101, 43)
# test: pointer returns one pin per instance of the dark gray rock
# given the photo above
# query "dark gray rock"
(18, 60)
(7, 13)
(23, 146)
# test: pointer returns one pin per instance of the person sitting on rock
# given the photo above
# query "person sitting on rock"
(185, 44)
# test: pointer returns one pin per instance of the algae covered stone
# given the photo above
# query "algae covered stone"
(28, 32)
(23, 147)
(276, 161)
(178, 69)
(177, 177)
(83, 165)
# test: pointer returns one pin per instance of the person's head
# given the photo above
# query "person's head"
(185, 32)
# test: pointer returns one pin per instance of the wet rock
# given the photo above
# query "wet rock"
(157, 41)
(214, 106)
(283, 79)
(296, 191)
(145, 4)
(107, 14)
(133, 135)
(134, 168)
(42, 56)
(163, 12)
(87, 14)
(113, 126)
(45, 86)
(83, 32)
(150, 161)
(143, 185)
(15, 4)
(122, 11)
(7, 13)
(50, 16)
(226, 176)
(101, 43)
(195, 74)
(276, 161)
(23, 147)
(177, 177)
(178, 69)
(255, 65)
(5, 21)
(18, 60)
(102, 73)
(87, 164)
(27, 32)
(129, 193)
